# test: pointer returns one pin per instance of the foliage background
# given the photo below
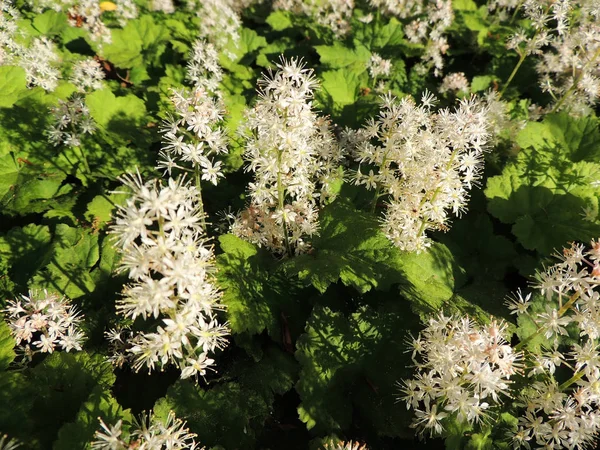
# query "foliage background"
(317, 341)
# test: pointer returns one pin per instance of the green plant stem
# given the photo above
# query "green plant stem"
(83, 159)
(576, 377)
(200, 201)
(437, 190)
(281, 200)
(561, 312)
(513, 73)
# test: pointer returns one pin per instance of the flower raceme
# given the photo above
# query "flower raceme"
(294, 157)
(464, 370)
(42, 322)
(160, 234)
(424, 162)
(148, 433)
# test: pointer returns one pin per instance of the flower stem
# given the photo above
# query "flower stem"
(514, 72)
(200, 202)
(561, 312)
(281, 203)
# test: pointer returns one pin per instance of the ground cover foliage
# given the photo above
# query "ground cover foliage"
(306, 333)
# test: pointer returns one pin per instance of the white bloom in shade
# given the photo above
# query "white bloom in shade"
(294, 157)
(8, 444)
(428, 25)
(203, 68)
(424, 163)
(160, 233)
(42, 322)
(147, 433)
(429, 420)
(71, 120)
(455, 82)
(379, 67)
(350, 445)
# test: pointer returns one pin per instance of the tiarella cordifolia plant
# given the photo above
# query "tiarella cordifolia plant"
(428, 23)
(71, 121)
(423, 162)
(463, 370)
(8, 444)
(42, 322)
(203, 68)
(294, 157)
(566, 38)
(148, 433)
(195, 136)
(332, 14)
(219, 20)
(350, 445)
(87, 75)
(562, 397)
(166, 254)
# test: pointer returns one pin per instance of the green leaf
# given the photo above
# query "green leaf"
(12, 84)
(248, 43)
(50, 22)
(79, 433)
(481, 82)
(340, 88)
(27, 187)
(24, 250)
(7, 344)
(256, 295)
(122, 121)
(279, 20)
(353, 362)
(73, 253)
(232, 414)
(62, 383)
(544, 192)
(350, 247)
(141, 41)
(389, 35)
(338, 56)
(100, 209)
(481, 252)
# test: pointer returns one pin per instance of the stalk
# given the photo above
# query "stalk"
(561, 312)
(281, 199)
(200, 202)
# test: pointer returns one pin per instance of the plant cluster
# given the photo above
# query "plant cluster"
(269, 224)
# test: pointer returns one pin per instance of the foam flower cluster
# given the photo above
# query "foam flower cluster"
(294, 157)
(423, 161)
(428, 22)
(562, 411)
(160, 234)
(71, 120)
(42, 322)
(332, 14)
(149, 433)
(462, 370)
(565, 37)
(194, 136)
